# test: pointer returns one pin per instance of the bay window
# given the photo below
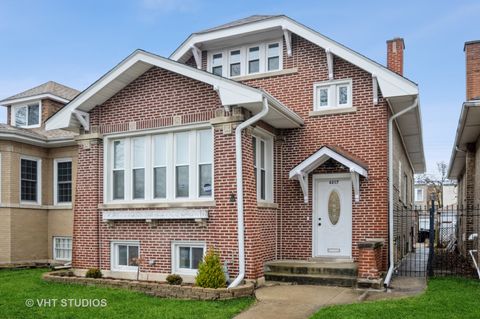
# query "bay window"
(172, 166)
(182, 164)
(63, 181)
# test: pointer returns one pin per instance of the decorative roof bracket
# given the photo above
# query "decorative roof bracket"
(329, 63)
(288, 41)
(83, 118)
(197, 55)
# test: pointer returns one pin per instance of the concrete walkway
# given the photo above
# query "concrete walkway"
(278, 301)
(296, 301)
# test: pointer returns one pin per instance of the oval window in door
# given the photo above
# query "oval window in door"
(334, 207)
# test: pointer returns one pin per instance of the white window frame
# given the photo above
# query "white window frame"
(262, 135)
(55, 247)
(241, 61)
(261, 62)
(417, 197)
(224, 60)
(55, 181)
(26, 104)
(280, 56)
(244, 58)
(176, 256)
(39, 180)
(114, 266)
(333, 94)
(400, 177)
(149, 180)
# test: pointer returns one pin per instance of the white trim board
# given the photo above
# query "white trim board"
(156, 214)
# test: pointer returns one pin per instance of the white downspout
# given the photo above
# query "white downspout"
(239, 163)
(388, 278)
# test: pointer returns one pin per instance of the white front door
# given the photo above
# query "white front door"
(332, 216)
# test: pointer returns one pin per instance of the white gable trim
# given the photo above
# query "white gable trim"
(34, 98)
(390, 83)
(301, 171)
(230, 92)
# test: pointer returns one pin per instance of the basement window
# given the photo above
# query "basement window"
(124, 256)
(186, 256)
(62, 248)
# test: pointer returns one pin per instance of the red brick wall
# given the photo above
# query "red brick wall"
(472, 58)
(363, 133)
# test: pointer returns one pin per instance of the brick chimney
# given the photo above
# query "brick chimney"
(395, 48)
(472, 59)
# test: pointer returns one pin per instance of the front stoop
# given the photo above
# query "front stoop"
(340, 274)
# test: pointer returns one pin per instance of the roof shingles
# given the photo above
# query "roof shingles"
(49, 87)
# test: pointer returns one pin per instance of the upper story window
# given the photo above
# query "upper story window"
(217, 64)
(418, 194)
(174, 166)
(263, 166)
(30, 180)
(332, 94)
(273, 57)
(248, 59)
(27, 115)
(235, 63)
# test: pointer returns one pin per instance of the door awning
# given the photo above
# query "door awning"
(355, 165)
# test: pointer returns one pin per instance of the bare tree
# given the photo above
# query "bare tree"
(435, 182)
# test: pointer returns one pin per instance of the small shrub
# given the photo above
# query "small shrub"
(174, 279)
(94, 273)
(210, 272)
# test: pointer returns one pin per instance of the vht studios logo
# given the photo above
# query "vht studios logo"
(65, 303)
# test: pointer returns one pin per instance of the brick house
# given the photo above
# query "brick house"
(260, 138)
(465, 158)
(37, 178)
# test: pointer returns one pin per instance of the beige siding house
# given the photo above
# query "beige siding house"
(37, 178)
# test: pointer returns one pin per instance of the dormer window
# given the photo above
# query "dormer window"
(235, 64)
(26, 115)
(246, 60)
(217, 64)
(273, 57)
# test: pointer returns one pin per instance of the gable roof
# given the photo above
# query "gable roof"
(391, 83)
(325, 153)
(250, 19)
(137, 63)
(55, 90)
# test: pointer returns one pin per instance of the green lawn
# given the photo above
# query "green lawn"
(16, 286)
(444, 298)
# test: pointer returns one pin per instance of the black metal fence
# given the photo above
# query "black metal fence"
(437, 241)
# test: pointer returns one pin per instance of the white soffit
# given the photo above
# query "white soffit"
(230, 92)
(391, 84)
(468, 131)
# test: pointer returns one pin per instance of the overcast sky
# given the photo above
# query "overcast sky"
(75, 42)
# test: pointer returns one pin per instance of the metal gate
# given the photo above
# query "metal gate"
(431, 241)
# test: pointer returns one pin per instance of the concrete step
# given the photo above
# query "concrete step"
(325, 268)
(304, 279)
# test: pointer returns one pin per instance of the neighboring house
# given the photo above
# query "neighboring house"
(450, 195)
(260, 138)
(421, 195)
(37, 178)
(464, 163)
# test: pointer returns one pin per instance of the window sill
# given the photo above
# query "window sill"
(193, 204)
(265, 74)
(340, 110)
(133, 269)
(36, 206)
(267, 205)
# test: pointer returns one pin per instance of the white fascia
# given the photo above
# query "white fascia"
(390, 83)
(34, 98)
